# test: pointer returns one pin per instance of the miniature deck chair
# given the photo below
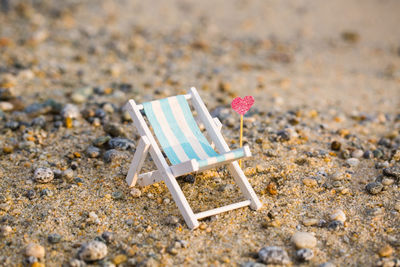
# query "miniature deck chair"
(186, 148)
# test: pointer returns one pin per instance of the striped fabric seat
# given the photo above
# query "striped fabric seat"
(179, 135)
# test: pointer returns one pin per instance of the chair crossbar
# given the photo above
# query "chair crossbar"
(216, 211)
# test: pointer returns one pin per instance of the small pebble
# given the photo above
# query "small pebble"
(5, 230)
(374, 188)
(135, 192)
(386, 251)
(310, 222)
(68, 174)
(333, 225)
(274, 255)
(309, 182)
(107, 236)
(70, 111)
(304, 254)
(117, 195)
(6, 106)
(93, 218)
(387, 181)
(121, 258)
(358, 153)
(113, 155)
(252, 264)
(93, 152)
(338, 215)
(368, 154)
(54, 238)
(353, 162)
(327, 264)
(76, 263)
(102, 140)
(304, 240)
(92, 251)
(43, 175)
(120, 143)
(46, 192)
(114, 130)
(392, 172)
(336, 145)
(189, 179)
(172, 220)
(35, 250)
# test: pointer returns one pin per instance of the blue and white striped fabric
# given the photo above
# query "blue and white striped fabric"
(179, 135)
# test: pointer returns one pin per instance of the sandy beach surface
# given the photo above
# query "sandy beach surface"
(324, 131)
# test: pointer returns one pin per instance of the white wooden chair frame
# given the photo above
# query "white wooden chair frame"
(168, 174)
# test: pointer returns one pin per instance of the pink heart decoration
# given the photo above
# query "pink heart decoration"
(241, 106)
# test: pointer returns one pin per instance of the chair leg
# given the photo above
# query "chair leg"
(244, 185)
(137, 161)
(181, 201)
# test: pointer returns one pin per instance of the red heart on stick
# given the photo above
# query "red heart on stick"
(241, 106)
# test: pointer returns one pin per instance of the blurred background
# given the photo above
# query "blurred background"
(335, 54)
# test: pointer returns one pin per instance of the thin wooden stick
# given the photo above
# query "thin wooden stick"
(241, 137)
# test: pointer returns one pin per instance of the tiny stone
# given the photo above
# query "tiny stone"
(100, 141)
(189, 179)
(304, 254)
(117, 195)
(135, 192)
(93, 218)
(30, 194)
(304, 240)
(172, 220)
(76, 263)
(338, 215)
(114, 130)
(70, 111)
(121, 143)
(353, 162)
(6, 106)
(392, 172)
(68, 174)
(46, 192)
(337, 176)
(5, 230)
(121, 258)
(368, 154)
(92, 251)
(107, 236)
(35, 250)
(54, 238)
(252, 264)
(93, 152)
(334, 225)
(113, 155)
(310, 222)
(386, 251)
(358, 153)
(335, 145)
(274, 255)
(327, 264)
(374, 188)
(43, 175)
(30, 260)
(309, 182)
(283, 135)
(381, 165)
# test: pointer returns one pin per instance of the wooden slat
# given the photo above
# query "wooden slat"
(216, 211)
(137, 162)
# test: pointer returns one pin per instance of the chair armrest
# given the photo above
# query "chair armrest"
(217, 123)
